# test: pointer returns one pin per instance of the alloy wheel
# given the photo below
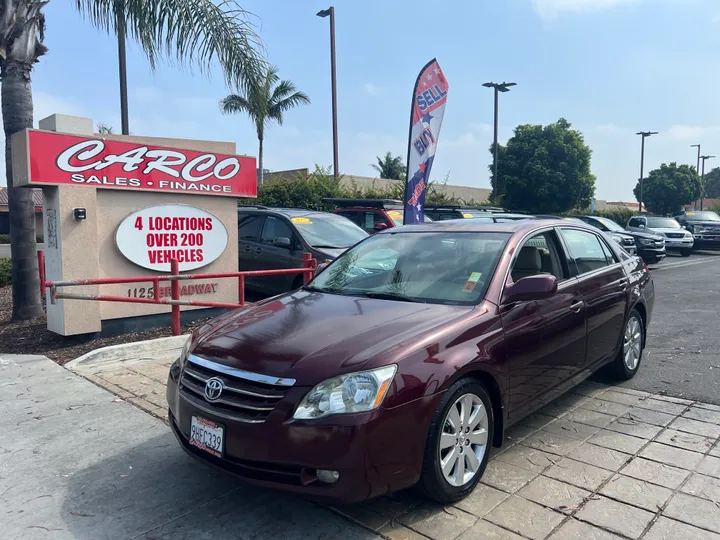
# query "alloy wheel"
(463, 441)
(632, 343)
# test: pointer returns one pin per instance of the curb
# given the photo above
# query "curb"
(128, 352)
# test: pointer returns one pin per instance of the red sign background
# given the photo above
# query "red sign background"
(59, 159)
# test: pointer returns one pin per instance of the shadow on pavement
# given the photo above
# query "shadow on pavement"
(153, 490)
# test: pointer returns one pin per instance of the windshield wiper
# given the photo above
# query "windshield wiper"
(329, 247)
(312, 288)
(391, 296)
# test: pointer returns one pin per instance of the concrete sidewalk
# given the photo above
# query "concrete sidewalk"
(602, 462)
(76, 462)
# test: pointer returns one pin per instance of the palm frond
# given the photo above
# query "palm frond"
(234, 103)
(198, 32)
(277, 109)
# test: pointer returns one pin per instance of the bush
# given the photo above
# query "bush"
(309, 192)
(5, 272)
(621, 217)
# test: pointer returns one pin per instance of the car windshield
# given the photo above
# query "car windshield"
(441, 268)
(662, 223)
(702, 216)
(610, 225)
(397, 217)
(328, 231)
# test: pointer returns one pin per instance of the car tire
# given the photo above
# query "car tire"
(686, 252)
(627, 363)
(442, 477)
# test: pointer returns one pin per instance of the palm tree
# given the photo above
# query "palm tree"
(104, 129)
(265, 101)
(392, 168)
(200, 32)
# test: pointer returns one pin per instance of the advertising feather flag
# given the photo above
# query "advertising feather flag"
(426, 116)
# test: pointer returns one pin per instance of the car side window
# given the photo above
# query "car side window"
(352, 215)
(275, 228)
(609, 254)
(586, 251)
(636, 222)
(249, 227)
(538, 255)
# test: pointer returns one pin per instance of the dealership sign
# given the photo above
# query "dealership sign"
(60, 159)
(153, 236)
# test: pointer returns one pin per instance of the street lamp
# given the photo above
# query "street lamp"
(498, 87)
(698, 163)
(702, 180)
(644, 135)
(330, 12)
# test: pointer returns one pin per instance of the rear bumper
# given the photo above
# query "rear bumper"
(375, 453)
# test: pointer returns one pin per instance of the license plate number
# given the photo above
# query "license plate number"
(207, 435)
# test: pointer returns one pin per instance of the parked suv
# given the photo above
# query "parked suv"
(617, 233)
(371, 215)
(676, 238)
(703, 225)
(274, 238)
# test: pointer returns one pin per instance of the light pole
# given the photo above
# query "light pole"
(644, 135)
(498, 87)
(698, 163)
(330, 12)
(122, 69)
(702, 179)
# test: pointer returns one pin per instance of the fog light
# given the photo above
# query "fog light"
(328, 477)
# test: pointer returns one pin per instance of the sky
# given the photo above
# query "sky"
(611, 67)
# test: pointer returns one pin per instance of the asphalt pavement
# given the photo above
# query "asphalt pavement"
(79, 463)
(682, 358)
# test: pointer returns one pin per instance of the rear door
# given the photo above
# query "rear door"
(545, 339)
(605, 290)
(249, 248)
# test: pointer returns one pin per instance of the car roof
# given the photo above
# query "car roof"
(471, 225)
(288, 212)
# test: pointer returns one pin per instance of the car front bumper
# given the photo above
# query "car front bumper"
(651, 255)
(375, 453)
(707, 239)
(679, 243)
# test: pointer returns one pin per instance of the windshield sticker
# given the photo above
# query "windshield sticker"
(472, 281)
(689, 213)
(301, 221)
(394, 214)
(468, 216)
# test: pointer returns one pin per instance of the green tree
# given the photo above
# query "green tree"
(545, 169)
(104, 129)
(264, 101)
(666, 189)
(712, 184)
(201, 32)
(392, 168)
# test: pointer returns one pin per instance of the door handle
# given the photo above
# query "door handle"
(577, 306)
(247, 249)
(258, 250)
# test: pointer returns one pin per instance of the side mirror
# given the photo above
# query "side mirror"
(380, 227)
(322, 266)
(531, 288)
(281, 241)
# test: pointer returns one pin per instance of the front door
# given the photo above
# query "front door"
(545, 338)
(249, 248)
(280, 248)
(605, 292)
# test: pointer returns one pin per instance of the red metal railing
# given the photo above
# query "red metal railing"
(307, 270)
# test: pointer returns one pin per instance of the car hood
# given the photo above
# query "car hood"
(310, 336)
(644, 235)
(330, 253)
(709, 224)
(620, 234)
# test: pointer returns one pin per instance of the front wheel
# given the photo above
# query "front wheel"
(686, 252)
(458, 444)
(627, 363)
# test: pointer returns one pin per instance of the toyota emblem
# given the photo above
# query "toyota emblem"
(214, 388)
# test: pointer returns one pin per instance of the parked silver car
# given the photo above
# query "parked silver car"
(676, 238)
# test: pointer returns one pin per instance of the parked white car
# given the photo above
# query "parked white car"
(676, 238)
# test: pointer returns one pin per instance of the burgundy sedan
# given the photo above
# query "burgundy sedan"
(408, 356)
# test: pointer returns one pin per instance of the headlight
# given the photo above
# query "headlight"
(352, 393)
(699, 229)
(617, 238)
(646, 242)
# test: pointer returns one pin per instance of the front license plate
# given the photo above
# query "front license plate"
(207, 435)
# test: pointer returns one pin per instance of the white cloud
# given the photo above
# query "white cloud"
(482, 128)
(681, 133)
(371, 89)
(552, 8)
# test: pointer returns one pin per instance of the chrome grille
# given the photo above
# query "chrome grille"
(246, 397)
(675, 235)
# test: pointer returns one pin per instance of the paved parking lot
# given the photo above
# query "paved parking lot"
(602, 462)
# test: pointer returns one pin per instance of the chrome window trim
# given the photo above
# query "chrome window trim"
(240, 373)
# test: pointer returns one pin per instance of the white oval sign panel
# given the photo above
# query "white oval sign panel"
(153, 236)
